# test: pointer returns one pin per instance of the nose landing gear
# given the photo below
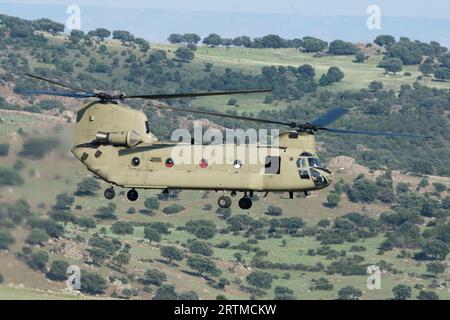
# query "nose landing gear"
(132, 195)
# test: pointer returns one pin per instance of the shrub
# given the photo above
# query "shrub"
(37, 236)
(122, 227)
(9, 177)
(37, 148)
(4, 149)
(175, 208)
(58, 270)
(6, 239)
(92, 283)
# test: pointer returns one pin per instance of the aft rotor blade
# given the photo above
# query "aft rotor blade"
(58, 93)
(50, 81)
(373, 133)
(193, 95)
(329, 117)
(224, 115)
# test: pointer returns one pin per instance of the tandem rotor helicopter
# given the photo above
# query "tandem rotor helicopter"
(114, 142)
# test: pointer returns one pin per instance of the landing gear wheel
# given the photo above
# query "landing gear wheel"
(224, 202)
(245, 203)
(110, 193)
(132, 195)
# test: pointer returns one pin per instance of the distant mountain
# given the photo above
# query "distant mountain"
(156, 25)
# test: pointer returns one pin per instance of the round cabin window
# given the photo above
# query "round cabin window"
(203, 163)
(135, 161)
(169, 163)
(237, 164)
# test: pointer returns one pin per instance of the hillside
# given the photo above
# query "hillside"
(393, 195)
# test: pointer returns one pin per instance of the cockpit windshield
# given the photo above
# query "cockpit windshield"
(315, 162)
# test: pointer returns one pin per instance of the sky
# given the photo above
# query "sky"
(389, 8)
(153, 20)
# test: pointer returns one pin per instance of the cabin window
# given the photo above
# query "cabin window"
(304, 174)
(147, 127)
(272, 165)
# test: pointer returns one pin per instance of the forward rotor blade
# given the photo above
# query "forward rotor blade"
(224, 115)
(192, 95)
(58, 93)
(373, 133)
(50, 81)
(329, 117)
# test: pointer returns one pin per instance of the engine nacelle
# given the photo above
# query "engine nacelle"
(128, 138)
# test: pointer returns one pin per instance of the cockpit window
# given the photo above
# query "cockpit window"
(314, 162)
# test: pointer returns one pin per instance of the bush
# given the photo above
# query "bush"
(88, 186)
(37, 236)
(155, 277)
(58, 270)
(349, 293)
(165, 292)
(200, 247)
(175, 208)
(260, 279)
(122, 227)
(87, 223)
(274, 211)
(38, 260)
(427, 295)
(339, 47)
(152, 234)
(152, 203)
(202, 265)
(92, 283)
(6, 239)
(37, 148)
(4, 149)
(9, 177)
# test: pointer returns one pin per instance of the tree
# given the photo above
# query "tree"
(63, 216)
(152, 203)
(38, 260)
(202, 265)
(384, 40)
(435, 268)
(101, 33)
(339, 47)
(9, 177)
(260, 279)
(212, 40)
(98, 255)
(191, 38)
(426, 69)
(334, 74)
(106, 212)
(171, 253)
(200, 247)
(165, 292)
(37, 148)
(311, 44)
(6, 239)
(37, 236)
(76, 36)
(349, 293)
(4, 149)
(121, 258)
(360, 57)
(143, 44)
(442, 73)
(242, 41)
(333, 199)
(435, 250)
(64, 201)
(427, 295)
(307, 70)
(92, 283)
(88, 186)
(155, 277)
(123, 35)
(122, 227)
(232, 102)
(393, 65)
(204, 232)
(152, 234)
(188, 295)
(402, 292)
(87, 222)
(175, 38)
(375, 86)
(48, 26)
(274, 211)
(58, 270)
(184, 54)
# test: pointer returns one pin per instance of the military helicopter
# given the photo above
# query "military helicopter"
(115, 143)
